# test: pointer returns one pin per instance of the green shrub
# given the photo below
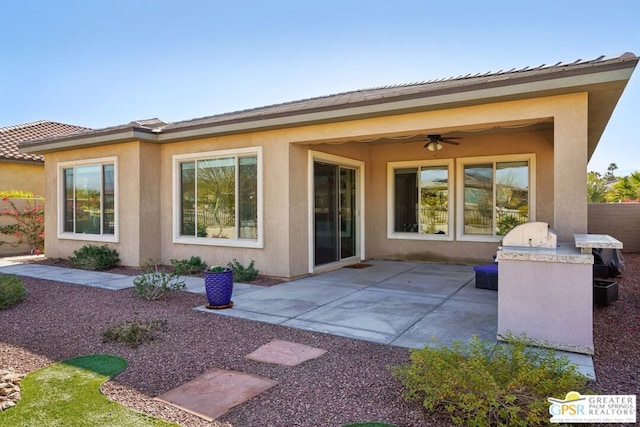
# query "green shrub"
(91, 257)
(242, 273)
(184, 267)
(482, 383)
(506, 224)
(155, 284)
(11, 290)
(135, 333)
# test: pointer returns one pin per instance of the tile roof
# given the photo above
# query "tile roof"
(382, 93)
(11, 136)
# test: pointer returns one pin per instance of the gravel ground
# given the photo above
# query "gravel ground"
(351, 382)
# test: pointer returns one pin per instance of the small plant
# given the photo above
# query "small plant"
(11, 290)
(185, 267)
(91, 257)
(153, 285)
(481, 383)
(217, 269)
(242, 273)
(135, 333)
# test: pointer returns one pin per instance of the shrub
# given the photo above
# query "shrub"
(184, 267)
(91, 257)
(26, 224)
(155, 284)
(135, 333)
(482, 383)
(242, 273)
(11, 290)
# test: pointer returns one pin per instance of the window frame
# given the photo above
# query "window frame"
(61, 166)
(178, 159)
(391, 167)
(494, 160)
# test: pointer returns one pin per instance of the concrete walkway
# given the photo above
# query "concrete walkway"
(392, 302)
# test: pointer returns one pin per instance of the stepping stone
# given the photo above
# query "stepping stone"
(285, 353)
(213, 393)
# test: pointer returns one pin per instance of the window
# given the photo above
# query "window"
(89, 196)
(495, 195)
(420, 194)
(218, 198)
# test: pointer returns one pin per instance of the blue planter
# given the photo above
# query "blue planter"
(219, 286)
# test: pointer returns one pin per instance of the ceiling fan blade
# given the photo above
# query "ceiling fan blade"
(446, 141)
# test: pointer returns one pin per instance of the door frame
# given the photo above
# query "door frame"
(358, 166)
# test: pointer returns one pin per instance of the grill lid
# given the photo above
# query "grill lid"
(531, 235)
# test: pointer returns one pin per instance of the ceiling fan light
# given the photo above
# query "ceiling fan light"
(431, 146)
(438, 146)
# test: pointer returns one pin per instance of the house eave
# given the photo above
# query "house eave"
(604, 82)
(71, 142)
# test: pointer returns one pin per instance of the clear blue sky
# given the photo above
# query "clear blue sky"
(100, 63)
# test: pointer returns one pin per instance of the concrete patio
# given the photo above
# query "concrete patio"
(392, 302)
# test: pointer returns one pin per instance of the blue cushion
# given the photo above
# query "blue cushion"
(487, 268)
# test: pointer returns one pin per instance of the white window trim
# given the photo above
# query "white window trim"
(462, 162)
(359, 167)
(61, 234)
(233, 243)
(391, 166)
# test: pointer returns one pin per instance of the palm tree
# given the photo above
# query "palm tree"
(596, 188)
(628, 188)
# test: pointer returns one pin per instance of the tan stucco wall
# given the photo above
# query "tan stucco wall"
(22, 177)
(131, 222)
(145, 176)
(276, 179)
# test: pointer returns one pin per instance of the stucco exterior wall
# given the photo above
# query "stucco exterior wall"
(128, 205)
(22, 177)
(271, 259)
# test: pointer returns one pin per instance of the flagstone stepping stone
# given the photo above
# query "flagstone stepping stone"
(213, 393)
(285, 353)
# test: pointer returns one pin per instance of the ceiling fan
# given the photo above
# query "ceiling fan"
(434, 142)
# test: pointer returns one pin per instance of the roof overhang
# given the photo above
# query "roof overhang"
(603, 81)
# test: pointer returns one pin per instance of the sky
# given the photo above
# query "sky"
(99, 63)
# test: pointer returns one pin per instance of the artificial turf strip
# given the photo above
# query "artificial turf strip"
(68, 394)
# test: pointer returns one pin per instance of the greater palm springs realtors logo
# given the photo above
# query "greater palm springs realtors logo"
(576, 408)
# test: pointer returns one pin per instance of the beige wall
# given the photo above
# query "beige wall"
(145, 177)
(22, 177)
(619, 220)
(272, 259)
(128, 205)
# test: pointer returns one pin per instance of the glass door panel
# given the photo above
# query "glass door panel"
(347, 213)
(325, 213)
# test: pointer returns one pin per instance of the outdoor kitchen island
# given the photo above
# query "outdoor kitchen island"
(546, 289)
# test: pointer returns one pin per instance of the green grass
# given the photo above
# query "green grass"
(68, 394)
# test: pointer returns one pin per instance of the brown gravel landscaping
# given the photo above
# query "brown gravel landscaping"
(351, 382)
